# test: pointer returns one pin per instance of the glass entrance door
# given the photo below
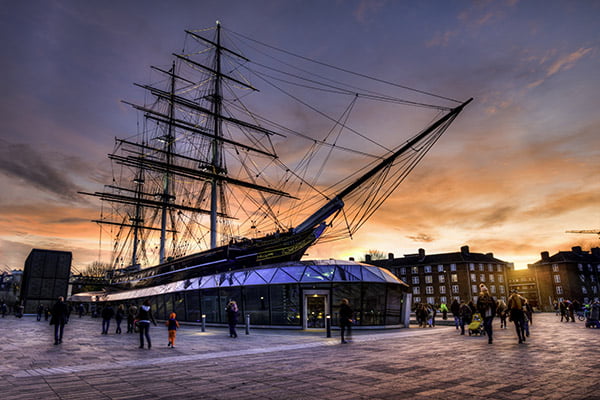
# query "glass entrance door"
(315, 309)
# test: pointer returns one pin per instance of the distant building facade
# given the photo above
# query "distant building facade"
(524, 281)
(569, 275)
(45, 277)
(10, 286)
(441, 278)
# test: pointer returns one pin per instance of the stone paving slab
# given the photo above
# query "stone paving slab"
(558, 361)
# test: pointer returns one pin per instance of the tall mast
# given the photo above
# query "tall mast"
(216, 151)
(169, 140)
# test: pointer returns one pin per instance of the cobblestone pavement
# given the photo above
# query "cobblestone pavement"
(558, 361)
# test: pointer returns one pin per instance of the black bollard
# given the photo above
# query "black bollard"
(328, 324)
(248, 324)
(203, 322)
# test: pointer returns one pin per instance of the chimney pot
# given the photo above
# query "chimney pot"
(390, 256)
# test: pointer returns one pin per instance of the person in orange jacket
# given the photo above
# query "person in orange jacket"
(172, 326)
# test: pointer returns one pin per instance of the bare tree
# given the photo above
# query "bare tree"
(97, 269)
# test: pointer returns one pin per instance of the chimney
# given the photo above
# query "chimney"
(390, 256)
(421, 254)
(545, 256)
(576, 249)
(464, 250)
(351, 258)
(491, 255)
(368, 258)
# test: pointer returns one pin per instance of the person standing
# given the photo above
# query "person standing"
(501, 311)
(119, 317)
(144, 317)
(486, 305)
(107, 313)
(59, 319)
(131, 313)
(172, 326)
(517, 316)
(466, 316)
(346, 319)
(232, 315)
(39, 312)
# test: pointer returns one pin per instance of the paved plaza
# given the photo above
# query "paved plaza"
(558, 361)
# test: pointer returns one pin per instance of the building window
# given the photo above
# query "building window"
(481, 267)
(580, 267)
(454, 288)
(499, 268)
(443, 299)
(583, 290)
(595, 289)
(428, 279)
(452, 267)
(554, 267)
(430, 300)
(501, 289)
(482, 277)
(493, 289)
(490, 267)
(416, 290)
(443, 289)
(500, 279)
(414, 270)
(440, 268)
(403, 271)
(582, 277)
(590, 267)
(429, 289)
(491, 277)
(556, 278)
(474, 288)
(454, 277)
(598, 267)
(472, 267)
(442, 279)
(559, 290)
(415, 280)
(473, 277)
(427, 269)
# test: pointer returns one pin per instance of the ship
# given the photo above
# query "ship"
(201, 188)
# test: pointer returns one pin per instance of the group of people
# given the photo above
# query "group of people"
(517, 309)
(567, 309)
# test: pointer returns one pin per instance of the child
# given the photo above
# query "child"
(172, 326)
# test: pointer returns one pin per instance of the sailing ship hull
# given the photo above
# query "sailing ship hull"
(247, 253)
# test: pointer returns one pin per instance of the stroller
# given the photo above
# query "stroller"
(593, 316)
(475, 327)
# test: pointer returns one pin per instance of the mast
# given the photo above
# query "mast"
(169, 140)
(216, 151)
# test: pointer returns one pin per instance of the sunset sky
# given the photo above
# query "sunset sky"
(515, 171)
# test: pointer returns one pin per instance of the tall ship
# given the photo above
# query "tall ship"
(208, 183)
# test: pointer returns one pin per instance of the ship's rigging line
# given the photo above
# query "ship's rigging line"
(341, 69)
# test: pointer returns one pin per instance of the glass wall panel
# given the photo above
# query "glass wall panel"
(285, 305)
(209, 304)
(256, 301)
(168, 304)
(159, 311)
(179, 305)
(350, 291)
(393, 308)
(373, 306)
(192, 304)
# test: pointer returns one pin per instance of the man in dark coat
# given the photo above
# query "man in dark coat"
(346, 319)
(59, 313)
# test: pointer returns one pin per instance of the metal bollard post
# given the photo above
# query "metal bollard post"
(248, 324)
(328, 324)
(203, 322)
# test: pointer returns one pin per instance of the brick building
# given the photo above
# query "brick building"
(569, 275)
(441, 278)
(525, 282)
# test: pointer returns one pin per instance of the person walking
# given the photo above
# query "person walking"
(501, 311)
(232, 316)
(59, 319)
(119, 315)
(455, 309)
(346, 320)
(172, 326)
(144, 317)
(486, 305)
(444, 310)
(107, 313)
(517, 316)
(466, 316)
